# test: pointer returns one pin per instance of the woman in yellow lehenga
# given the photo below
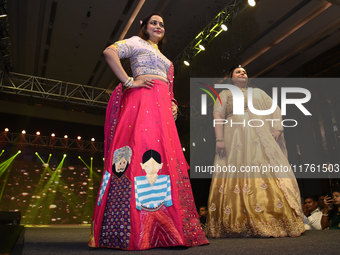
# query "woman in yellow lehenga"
(248, 204)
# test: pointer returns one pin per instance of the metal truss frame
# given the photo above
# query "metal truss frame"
(49, 141)
(184, 113)
(212, 30)
(5, 45)
(33, 86)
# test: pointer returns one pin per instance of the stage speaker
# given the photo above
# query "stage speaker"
(11, 236)
(10, 218)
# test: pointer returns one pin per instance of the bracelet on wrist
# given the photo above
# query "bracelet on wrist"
(324, 214)
(128, 79)
(128, 83)
(219, 139)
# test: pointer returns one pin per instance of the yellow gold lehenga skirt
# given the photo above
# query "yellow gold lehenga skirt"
(248, 204)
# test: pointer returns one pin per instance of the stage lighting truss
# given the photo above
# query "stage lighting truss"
(211, 31)
(48, 141)
(38, 87)
(5, 49)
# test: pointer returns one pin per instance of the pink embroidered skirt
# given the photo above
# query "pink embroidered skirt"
(134, 213)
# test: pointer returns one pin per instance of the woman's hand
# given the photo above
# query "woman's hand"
(220, 149)
(174, 110)
(276, 134)
(327, 201)
(140, 83)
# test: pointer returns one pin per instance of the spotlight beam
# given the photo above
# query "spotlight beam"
(47, 190)
(6, 166)
(84, 162)
(5, 182)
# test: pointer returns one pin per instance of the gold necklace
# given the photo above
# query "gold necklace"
(153, 44)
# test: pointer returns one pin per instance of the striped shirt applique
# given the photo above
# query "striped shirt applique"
(152, 196)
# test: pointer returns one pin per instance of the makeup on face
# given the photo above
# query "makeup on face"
(155, 29)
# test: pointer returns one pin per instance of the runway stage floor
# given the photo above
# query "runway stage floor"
(73, 240)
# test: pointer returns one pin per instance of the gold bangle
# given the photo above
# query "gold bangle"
(219, 139)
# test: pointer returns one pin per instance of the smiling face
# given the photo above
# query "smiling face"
(155, 29)
(240, 77)
(311, 205)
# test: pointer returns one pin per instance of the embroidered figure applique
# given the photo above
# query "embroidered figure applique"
(116, 224)
(121, 160)
(152, 190)
(153, 196)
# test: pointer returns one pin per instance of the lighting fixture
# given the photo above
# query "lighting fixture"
(3, 12)
(224, 27)
(252, 3)
(201, 46)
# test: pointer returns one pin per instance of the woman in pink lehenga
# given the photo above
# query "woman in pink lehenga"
(145, 199)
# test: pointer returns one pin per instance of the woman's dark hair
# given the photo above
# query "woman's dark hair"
(232, 69)
(314, 198)
(335, 190)
(144, 35)
(152, 154)
(334, 210)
